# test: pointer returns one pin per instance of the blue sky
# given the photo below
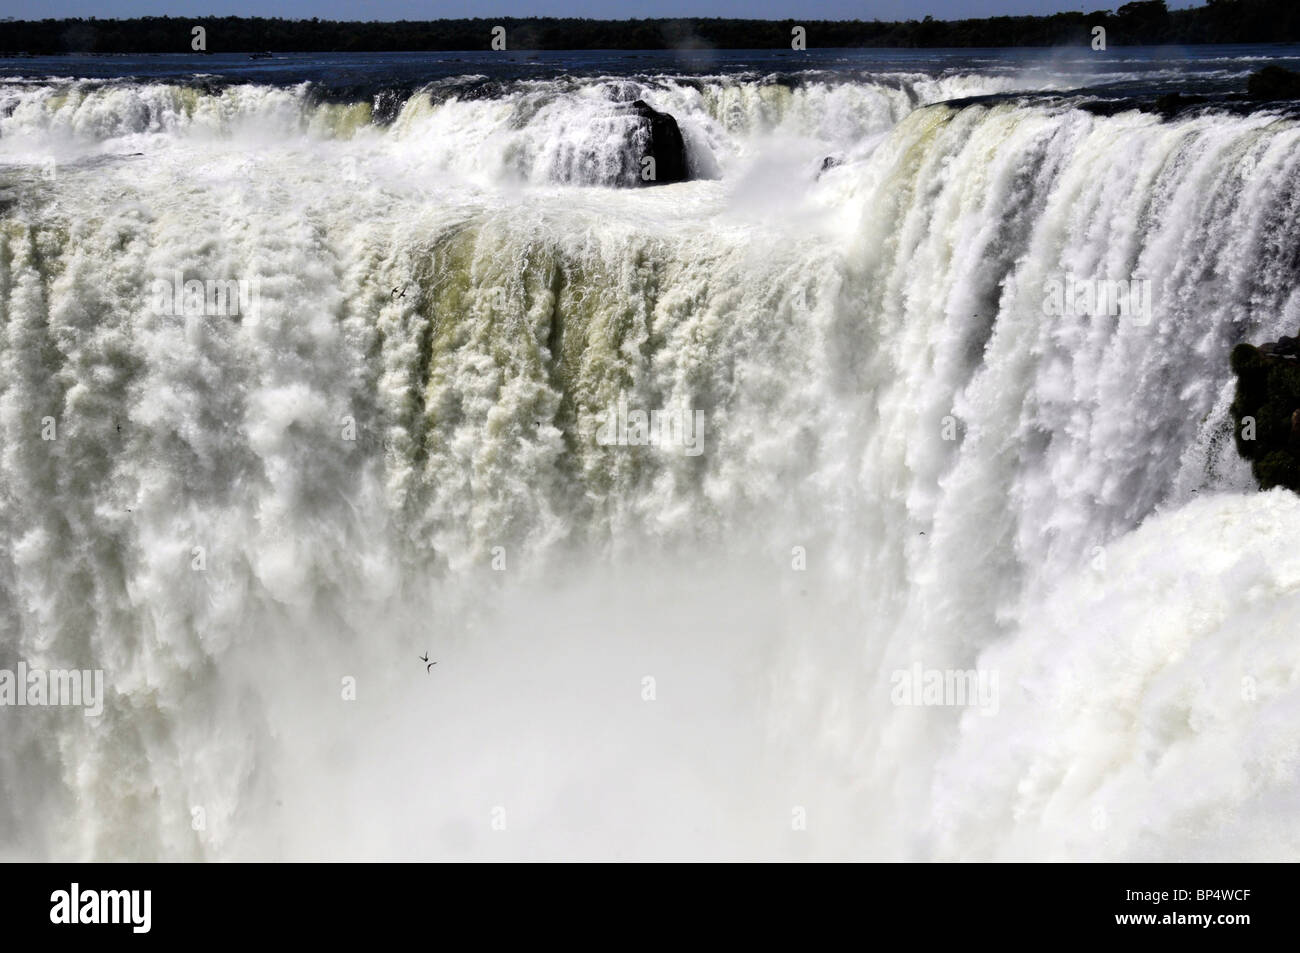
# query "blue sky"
(604, 9)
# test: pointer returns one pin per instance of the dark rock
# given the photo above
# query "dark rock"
(657, 135)
(829, 162)
(1266, 411)
(1282, 347)
(1171, 104)
(1274, 82)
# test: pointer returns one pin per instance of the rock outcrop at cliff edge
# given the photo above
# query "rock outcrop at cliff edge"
(657, 136)
(1266, 411)
(1273, 82)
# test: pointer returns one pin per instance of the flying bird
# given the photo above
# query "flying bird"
(430, 665)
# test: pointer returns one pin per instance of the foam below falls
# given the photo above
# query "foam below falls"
(906, 461)
(1146, 712)
(1147, 703)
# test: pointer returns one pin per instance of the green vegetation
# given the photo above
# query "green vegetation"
(1148, 22)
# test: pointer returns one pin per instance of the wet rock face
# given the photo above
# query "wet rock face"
(624, 145)
(828, 163)
(1266, 410)
(1274, 82)
(657, 136)
(1282, 347)
(1171, 104)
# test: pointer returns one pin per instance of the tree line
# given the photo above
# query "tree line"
(1146, 22)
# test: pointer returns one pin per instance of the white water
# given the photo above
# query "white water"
(1091, 537)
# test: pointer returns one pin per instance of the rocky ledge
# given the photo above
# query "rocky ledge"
(1266, 410)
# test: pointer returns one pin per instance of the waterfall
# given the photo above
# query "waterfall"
(368, 432)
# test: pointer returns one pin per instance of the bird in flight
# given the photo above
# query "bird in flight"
(430, 665)
(394, 294)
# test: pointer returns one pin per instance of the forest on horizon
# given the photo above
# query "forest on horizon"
(1145, 22)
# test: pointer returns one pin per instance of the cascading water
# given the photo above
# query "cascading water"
(255, 524)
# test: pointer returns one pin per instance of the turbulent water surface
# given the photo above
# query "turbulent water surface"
(905, 461)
